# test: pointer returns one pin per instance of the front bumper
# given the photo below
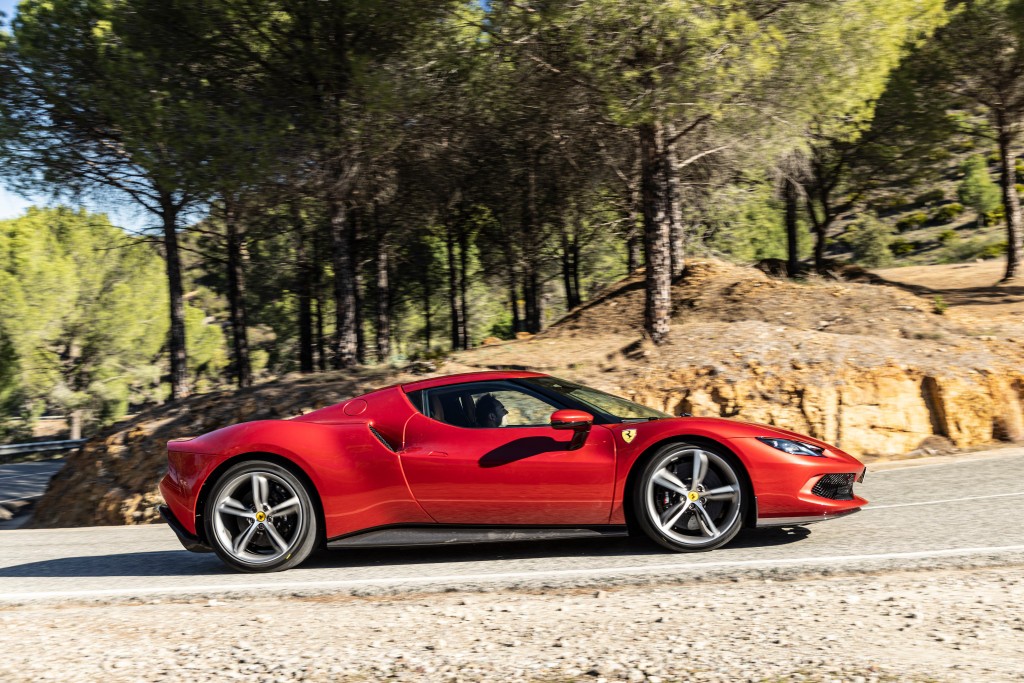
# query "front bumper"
(188, 541)
(799, 489)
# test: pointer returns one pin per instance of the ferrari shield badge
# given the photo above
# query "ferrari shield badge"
(628, 435)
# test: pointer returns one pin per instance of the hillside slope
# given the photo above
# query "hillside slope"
(869, 367)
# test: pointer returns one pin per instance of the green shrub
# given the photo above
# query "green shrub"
(890, 202)
(946, 213)
(1019, 167)
(502, 328)
(869, 240)
(1020, 188)
(977, 189)
(912, 221)
(947, 237)
(939, 305)
(930, 197)
(995, 216)
(746, 224)
(972, 250)
(963, 144)
(993, 250)
(901, 247)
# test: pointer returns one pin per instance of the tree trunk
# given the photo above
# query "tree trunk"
(357, 280)
(531, 279)
(513, 293)
(532, 299)
(673, 207)
(463, 286)
(576, 272)
(304, 290)
(790, 196)
(634, 234)
(427, 293)
(176, 340)
(76, 424)
(634, 251)
(453, 287)
(318, 316)
(820, 228)
(1011, 201)
(570, 267)
(344, 341)
(236, 297)
(658, 299)
(383, 296)
(820, 237)
(318, 299)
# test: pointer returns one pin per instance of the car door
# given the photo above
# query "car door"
(463, 469)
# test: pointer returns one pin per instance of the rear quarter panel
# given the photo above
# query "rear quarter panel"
(359, 481)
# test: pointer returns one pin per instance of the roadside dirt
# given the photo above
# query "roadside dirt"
(968, 288)
(918, 626)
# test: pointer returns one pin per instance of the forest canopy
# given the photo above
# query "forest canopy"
(336, 183)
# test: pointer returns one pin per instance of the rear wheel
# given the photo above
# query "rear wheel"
(260, 518)
(689, 497)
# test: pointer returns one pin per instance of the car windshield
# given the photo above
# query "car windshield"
(605, 403)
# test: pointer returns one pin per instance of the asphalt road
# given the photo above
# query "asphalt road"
(24, 481)
(963, 511)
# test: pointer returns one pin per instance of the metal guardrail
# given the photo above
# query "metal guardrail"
(40, 447)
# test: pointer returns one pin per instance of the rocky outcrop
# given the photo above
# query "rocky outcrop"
(866, 411)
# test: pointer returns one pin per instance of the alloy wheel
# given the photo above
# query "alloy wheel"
(259, 517)
(692, 497)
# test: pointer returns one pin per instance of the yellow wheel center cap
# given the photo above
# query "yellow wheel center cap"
(693, 496)
(261, 516)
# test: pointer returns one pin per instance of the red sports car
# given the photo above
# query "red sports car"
(491, 456)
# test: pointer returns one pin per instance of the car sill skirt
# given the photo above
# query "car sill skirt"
(453, 535)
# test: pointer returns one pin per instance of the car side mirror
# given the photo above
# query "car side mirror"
(577, 421)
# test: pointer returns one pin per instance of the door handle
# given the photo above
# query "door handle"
(438, 454)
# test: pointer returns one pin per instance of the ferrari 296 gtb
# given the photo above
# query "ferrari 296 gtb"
(491, 456)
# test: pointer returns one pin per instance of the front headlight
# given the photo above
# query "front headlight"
(793, 447)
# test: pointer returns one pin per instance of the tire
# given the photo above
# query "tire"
(278, 534)
(669, 513)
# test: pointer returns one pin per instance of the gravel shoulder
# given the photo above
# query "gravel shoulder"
(945, 625)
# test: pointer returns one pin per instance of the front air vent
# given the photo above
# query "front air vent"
(835, 486)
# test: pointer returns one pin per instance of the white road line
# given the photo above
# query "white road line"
(831, 561)
(25, 475)
(890, 466)
(15, 500)
(38, 473)
(942, 502)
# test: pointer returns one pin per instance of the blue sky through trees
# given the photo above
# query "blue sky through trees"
(7, 7)
(10, 205)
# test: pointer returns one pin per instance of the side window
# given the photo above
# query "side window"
(486, 406)
(511, 408)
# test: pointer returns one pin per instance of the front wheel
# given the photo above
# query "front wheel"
(689, 497)
(260, 518)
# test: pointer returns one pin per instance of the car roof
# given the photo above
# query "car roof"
(466, 377)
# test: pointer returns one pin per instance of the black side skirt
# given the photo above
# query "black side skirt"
(451, 535)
